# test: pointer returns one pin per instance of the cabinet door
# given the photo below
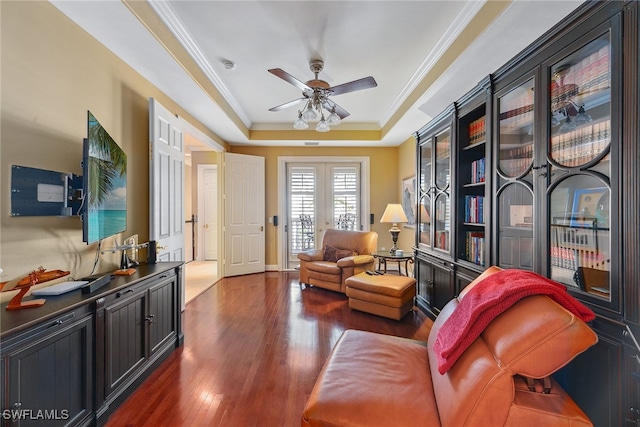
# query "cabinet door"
(435, 285)
(425, 184)
(515, 158)
(162, 314)
(580, 151)
(125, 347)
(50, 378)
(434, 186)
(442, 191)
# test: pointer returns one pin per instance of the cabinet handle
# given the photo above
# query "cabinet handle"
(149, 318)
(128, 291)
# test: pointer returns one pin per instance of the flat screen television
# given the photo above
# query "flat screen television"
(104, 166)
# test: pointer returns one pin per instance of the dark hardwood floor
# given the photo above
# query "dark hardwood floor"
(254, 346)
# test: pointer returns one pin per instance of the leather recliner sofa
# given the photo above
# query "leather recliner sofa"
(317, 268)
(372, 379)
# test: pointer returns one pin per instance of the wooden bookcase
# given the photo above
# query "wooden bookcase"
(544, 176)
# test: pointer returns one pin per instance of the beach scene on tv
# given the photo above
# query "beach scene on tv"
(107, 180)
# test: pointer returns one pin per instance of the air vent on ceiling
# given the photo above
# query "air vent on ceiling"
(312, 143)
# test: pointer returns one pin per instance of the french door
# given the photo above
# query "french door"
(320, 196)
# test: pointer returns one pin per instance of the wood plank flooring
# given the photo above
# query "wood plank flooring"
(254, 346)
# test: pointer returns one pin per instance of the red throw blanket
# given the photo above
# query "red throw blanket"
(486, 300)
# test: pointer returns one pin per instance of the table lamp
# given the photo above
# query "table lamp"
(394, 214)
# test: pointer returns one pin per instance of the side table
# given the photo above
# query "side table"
(384, 257)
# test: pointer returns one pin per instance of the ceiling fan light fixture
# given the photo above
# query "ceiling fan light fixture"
(333, 118)
(322, 125)
(300, 124)
(309, 114)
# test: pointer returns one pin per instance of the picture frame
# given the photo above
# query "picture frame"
(409, 204)
(585, 201)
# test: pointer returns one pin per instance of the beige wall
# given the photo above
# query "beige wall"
(385, 179)
(52, 73)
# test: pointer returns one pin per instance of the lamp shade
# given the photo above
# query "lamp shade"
(394, 214)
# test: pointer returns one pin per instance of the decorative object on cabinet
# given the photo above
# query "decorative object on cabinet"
(40, 275)
(409, 201)
(394, 214)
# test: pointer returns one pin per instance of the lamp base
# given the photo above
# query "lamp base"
(394, 237)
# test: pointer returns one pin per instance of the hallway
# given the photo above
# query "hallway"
(199, 276)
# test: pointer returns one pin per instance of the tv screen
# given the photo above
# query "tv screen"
(105, 184)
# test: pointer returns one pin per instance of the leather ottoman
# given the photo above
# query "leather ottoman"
(384, 295)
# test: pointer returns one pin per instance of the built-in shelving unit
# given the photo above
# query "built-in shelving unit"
(543, 173)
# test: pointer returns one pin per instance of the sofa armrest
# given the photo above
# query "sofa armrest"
(313, 255)
(354, 260)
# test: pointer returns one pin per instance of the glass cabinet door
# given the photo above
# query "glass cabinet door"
(424, 188)
(442, 222)
(578, 151)
(514, 200)
(516, 131)
(580, 107)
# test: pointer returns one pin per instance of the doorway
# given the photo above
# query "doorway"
(207, 182)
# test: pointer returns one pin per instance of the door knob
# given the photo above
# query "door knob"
(261, 228)
(206, 226)
(160, 248)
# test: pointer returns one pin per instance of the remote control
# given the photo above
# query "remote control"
(369, 272)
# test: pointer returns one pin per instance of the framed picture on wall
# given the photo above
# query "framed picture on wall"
(409, 200)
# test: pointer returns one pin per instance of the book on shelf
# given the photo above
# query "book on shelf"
(474, 247)
(474, 209)
(477, 131)
(477, 171)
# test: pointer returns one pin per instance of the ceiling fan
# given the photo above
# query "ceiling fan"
(316, 95)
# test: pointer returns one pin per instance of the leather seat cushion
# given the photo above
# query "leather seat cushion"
(386, 284)
(352, 390)
(326, 267)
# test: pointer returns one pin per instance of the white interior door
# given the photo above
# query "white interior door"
(208, 210)
(244, 214)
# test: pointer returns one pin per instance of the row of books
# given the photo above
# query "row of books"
(577, 147)
(474, 209)
(474, 247)
(477, 170)
(477, 131)
(516, 160)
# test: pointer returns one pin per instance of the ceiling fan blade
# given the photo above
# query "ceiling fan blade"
(288, 104)
(278, 72)
(341, 112)
(364, 83)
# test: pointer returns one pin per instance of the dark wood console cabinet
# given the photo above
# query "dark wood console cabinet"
(538, 168)
(72, 361)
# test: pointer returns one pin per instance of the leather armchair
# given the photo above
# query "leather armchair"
(318, 270)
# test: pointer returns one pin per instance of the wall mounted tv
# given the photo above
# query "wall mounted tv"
(104, 166)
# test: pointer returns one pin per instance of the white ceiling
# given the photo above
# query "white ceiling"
(405, 45)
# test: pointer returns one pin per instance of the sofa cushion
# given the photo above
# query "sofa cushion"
(332, 254)
(353, 390)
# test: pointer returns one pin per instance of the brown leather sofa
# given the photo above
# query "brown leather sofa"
(318, 269)
(379, 380)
